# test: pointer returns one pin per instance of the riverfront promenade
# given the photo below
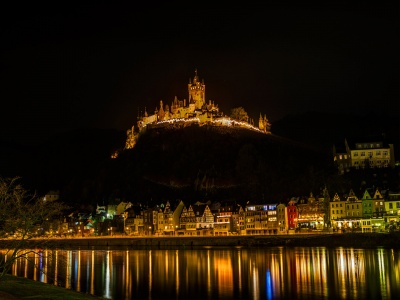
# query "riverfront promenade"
(356, 240)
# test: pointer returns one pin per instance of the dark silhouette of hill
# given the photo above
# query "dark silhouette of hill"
(197, 163)
(216, 163)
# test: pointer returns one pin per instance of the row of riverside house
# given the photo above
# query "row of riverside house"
(374, 210)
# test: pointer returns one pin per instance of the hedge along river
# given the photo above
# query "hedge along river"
(209, 272)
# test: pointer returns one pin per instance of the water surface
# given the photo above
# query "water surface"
(220, 273)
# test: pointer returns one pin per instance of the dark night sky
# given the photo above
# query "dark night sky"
(95, 65)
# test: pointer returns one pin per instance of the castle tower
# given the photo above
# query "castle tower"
(197, 91)
(261, 123)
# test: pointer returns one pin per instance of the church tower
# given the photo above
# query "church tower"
(197, 91)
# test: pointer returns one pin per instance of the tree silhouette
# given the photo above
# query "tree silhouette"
(239, 114)
(22, 218)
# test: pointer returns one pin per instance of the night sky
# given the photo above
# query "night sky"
(96, 65)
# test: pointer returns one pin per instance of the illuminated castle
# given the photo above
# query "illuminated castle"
(182, 112)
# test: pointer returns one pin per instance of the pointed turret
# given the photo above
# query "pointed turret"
(261, 123)
(197, 91)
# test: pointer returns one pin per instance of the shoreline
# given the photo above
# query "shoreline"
(359, 240)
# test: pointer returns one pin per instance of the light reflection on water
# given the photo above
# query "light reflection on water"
(216, 273)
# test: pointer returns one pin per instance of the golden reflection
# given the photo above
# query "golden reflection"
(382, 272)
(209, 290)
(273, 275)
(137, 260)
(150, 273)
(36, 262)
(68, 277)
(310, 269)
(342, 272)
(107, 279)
(91, 288)
(240, 271)
(127, 280)
(78, 273)
(26, 267)
(395, 262)
(56, 268)
(351, 274)
(224, 272)
(254, 278)
(177, 273)
(167, 268)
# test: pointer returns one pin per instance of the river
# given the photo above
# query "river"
(220, 272)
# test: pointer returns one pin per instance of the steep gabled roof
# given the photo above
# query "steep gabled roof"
(377, 195)
(336, 197)
(366, 195)
(352, 196)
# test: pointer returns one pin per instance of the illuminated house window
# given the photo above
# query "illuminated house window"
(355, 153)
(362, 153)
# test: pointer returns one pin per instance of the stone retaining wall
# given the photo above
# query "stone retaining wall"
(357, 240)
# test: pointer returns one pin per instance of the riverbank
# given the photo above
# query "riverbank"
(16, 288)
(359, 240)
